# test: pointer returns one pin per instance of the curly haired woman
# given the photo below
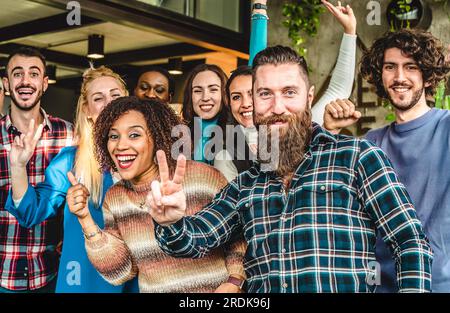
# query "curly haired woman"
(127, 135)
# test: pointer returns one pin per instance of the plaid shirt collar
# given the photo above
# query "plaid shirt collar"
(318, 136)
(14, 131)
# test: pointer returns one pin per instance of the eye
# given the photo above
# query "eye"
(135, 135)
(97, 99)
(197, 91)
(17, 74)
(264, 94)
(236, 97)
(290, 92)
(115, 96)
(34, 74)
(144, 87)
(214, 90)
(160, 90)
(412, 67)
(113, 137)
(388, 67)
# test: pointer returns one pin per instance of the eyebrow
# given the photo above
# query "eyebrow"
(134, 126)
(213, 85)
(99, 93)
(21, 68)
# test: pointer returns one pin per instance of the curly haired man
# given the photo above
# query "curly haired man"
(405, 67)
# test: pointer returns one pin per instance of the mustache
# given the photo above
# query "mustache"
(281, 118)
(399, 85)
(25, 86)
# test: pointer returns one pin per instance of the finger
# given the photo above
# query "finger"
(350, 11)
(170, 201)
(156, 193)
(38, 133)
(345, 108)
(72, 179)
(333, 111)
(163, 167)
(80, 193)
(331, 8)
(178, 176)
(76, 208)
(357, 115)
(150, 202)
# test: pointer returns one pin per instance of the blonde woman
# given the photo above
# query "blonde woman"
(31, 205)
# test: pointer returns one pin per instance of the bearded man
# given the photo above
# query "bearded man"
(310, 222)
(405, 67)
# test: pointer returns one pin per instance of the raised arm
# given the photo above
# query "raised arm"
(42, 201)
(388, 203)
(106, 249)
(340, 86)
(258, 34)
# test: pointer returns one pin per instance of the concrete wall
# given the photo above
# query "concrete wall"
(323, 49)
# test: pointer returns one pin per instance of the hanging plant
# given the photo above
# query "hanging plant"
(302, 20)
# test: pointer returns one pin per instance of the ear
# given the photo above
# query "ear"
(310, 96)
(170, 97)
(427, 84)
(45, 83)
(5, 84)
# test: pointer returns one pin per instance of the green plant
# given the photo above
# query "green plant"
(403, 7)
(302, 18)
(441, 100)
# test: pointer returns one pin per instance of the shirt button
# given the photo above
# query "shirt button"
(322, 188)
(25, 274)
(247, 205)
(30, 231)
(285, 285)
(26, 268)
(283, 250)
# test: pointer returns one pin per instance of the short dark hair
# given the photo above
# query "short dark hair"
(278, 55)
(162, 71)
(160, 118)
(420, 45)
(29, 52)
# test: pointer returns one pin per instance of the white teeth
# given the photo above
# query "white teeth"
(206, 107)
(247, 114)
(126, 158)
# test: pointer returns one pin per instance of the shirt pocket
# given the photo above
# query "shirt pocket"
(324, 201)
(251, 210)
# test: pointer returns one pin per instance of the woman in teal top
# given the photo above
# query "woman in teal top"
(31, 205)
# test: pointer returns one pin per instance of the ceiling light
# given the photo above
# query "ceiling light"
(175, 66)
(96, 45)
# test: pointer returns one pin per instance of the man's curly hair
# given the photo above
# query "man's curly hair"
(422, 46)
(160, 120)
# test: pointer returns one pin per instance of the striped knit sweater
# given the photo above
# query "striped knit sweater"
(128, 246)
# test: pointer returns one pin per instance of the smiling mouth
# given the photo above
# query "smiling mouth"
(206, 107)
(125, 161)
(400, 89)
(247, 115)
(25, 93)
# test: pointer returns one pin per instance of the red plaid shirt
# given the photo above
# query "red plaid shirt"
(28, 257)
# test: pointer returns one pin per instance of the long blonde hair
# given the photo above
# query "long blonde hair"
(86, 168)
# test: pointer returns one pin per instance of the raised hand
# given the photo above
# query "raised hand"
(167, 200)
(22, 148)
(339, 114)
(77, 198)
(344, 15)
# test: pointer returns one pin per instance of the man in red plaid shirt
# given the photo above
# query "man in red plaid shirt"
(28, 257)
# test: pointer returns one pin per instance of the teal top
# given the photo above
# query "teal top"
(258, 35)
(202, 151)
(76, 273)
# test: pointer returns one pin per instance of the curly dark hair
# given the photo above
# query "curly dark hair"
(420, 45)
(160, 120)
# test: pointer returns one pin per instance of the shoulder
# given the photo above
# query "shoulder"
(64, 160)
(61, 126)
(375, 135)
(201, 173)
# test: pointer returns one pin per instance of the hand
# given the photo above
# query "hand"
(23, 147)
(344, 15)
(228, 288)
(339, 114)
(77, 198)
(167, 200)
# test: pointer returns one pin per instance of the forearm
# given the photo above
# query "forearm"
(19, 181)
(258, 34)
(234, 257)
(341, 83)
(108, 253)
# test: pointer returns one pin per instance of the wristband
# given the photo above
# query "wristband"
(259, 6)
(236, 281)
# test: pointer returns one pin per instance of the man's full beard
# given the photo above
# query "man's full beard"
(292, 144)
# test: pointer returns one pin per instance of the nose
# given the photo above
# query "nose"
(247, 102)
(122, 143)
(278, 105)
(150, 94)
(205, 95)
(399, 74)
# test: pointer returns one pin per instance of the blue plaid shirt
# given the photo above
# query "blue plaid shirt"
(319, 235)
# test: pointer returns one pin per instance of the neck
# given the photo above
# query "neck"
(21, 119)
(147, 177)
(415, 112)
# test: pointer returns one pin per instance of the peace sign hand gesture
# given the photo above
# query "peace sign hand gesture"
(167, 200)
(22, 148)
